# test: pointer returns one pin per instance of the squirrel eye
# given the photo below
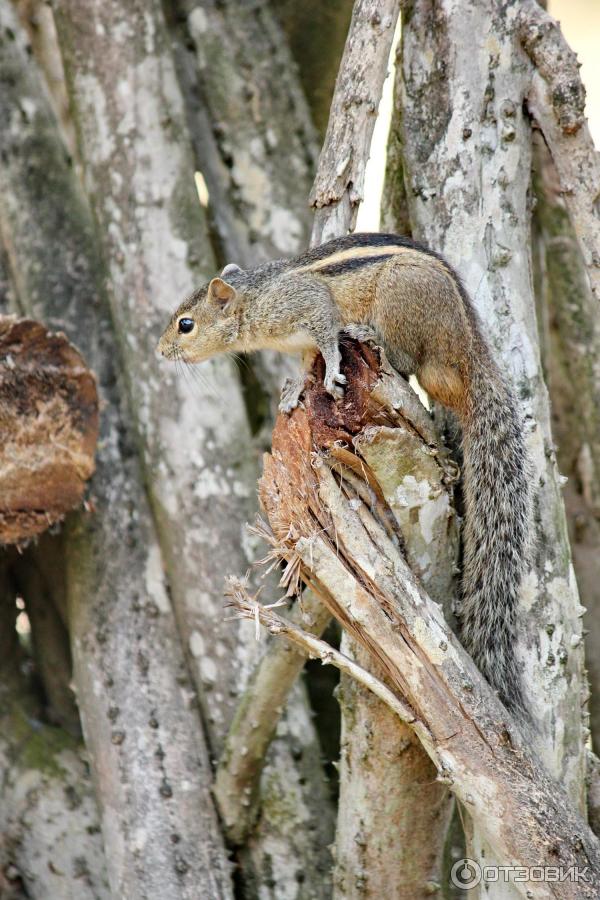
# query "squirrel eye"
(186, 325)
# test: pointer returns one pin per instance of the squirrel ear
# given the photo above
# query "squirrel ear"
(220, 292)
(229, 268)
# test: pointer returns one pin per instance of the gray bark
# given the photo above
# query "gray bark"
(199, 473)
(139, 167)
(467, 155)
(556, 99)
(148, 759)
(570, 334)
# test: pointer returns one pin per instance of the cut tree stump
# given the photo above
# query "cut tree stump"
(48, 428)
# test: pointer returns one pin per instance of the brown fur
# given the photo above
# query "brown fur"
(444, 385)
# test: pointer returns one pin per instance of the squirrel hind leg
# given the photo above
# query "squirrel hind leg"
(444, 384)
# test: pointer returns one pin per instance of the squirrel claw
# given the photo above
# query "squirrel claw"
(333, 384)
(287, 406)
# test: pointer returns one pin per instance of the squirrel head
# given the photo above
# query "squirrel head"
(205, 324)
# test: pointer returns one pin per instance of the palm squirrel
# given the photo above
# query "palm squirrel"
(410, 300)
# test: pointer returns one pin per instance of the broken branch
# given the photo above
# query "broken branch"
(349, 558)
(249, 608)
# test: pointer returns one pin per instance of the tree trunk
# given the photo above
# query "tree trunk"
(149, 762)
(570, 334)
(153, 233)
(494, 224)
(467, 158)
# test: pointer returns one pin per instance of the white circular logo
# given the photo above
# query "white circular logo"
(465, 874)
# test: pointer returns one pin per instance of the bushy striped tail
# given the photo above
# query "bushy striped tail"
(496, 488)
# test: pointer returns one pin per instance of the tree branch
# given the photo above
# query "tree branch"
(556, 99)
(338, 186)
(237, 780)
(248, 607)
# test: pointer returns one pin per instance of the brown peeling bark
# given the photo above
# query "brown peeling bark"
(49, 424)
